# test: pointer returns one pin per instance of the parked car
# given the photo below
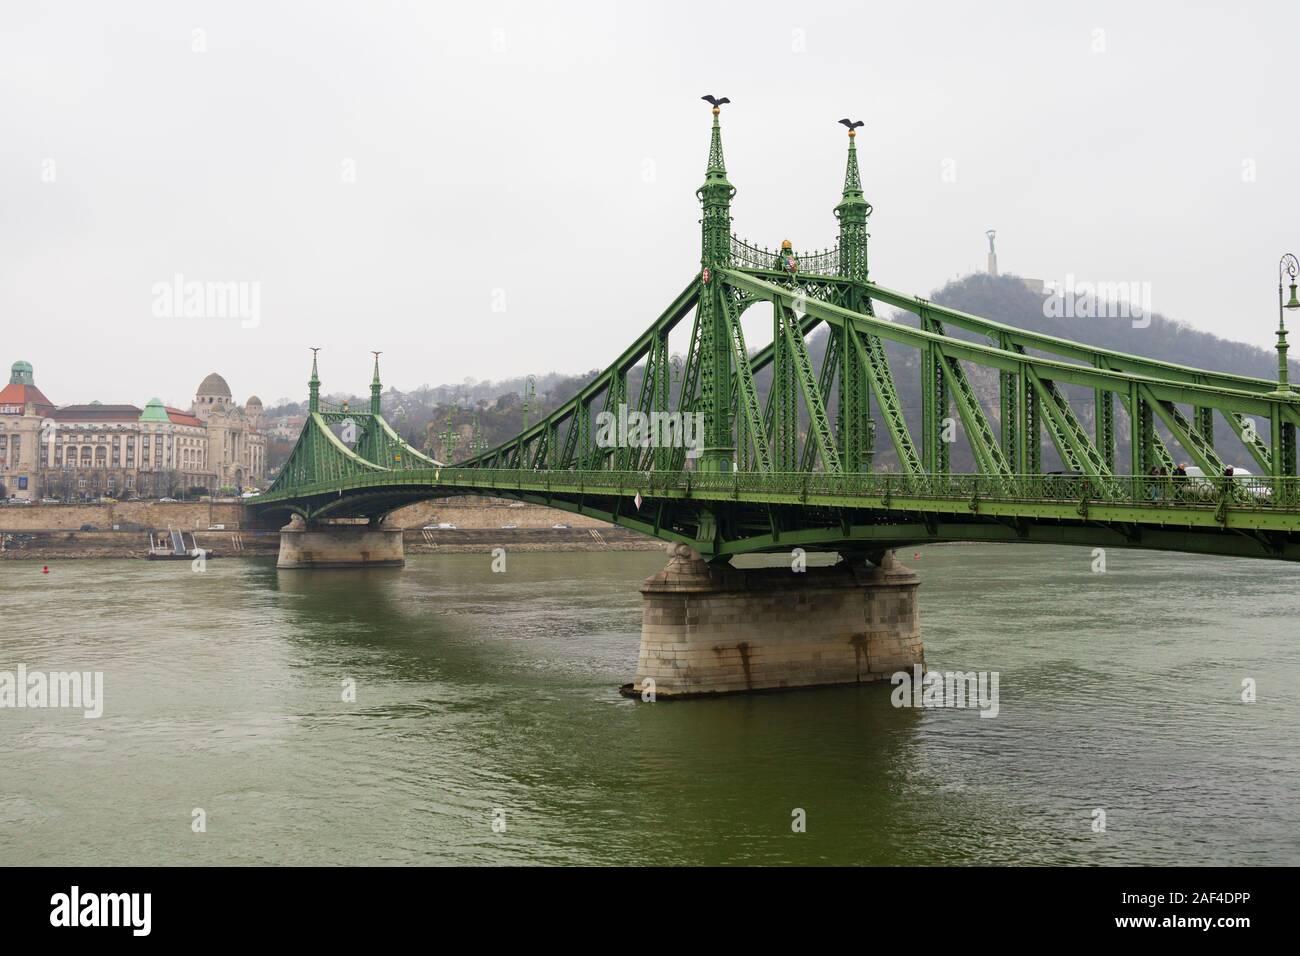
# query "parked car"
(509, 527)
(166, 501)
(49, 501)
(559, 527)
(250, 494)
(439, 527)
(88, 527)
(1205, 487)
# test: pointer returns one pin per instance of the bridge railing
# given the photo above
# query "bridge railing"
(1166, 492)
(745, 255)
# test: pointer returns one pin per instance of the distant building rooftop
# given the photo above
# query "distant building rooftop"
(181, 417)
(96, 413)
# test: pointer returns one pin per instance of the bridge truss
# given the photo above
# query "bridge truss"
(787, 451)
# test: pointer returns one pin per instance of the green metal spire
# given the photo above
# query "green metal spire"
(313, 386)
(715, 332)
(375, 387)
(717, 165)
(852, 212)
(716, 195)
(854, 421)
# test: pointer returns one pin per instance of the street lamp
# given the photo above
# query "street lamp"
(1287, 267)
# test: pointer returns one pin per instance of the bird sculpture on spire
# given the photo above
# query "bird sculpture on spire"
(717, 102)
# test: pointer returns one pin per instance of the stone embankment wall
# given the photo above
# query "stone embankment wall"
(65, 545)
(200, 515)
(52, 532)
(127, 515)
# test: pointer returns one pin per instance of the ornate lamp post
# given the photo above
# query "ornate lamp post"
(1288, 267)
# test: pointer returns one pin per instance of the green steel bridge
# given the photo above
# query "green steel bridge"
(795, 463)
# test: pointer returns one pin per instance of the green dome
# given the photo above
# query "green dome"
(154, 411)
(20, 373)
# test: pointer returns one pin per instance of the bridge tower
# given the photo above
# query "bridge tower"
(714, 346)
(313, 386)
(326, 544)
(852, 213)
(854, 420)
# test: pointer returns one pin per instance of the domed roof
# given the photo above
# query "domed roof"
(253, 402)
(214, 385)
(154, 411)
(20, 373)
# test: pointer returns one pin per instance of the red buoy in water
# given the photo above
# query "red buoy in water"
(45, 570)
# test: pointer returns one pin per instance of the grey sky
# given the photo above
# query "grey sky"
(552, 150)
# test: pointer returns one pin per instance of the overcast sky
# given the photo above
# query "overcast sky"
(393, 175)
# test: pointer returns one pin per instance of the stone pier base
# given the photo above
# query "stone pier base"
(340, 546)
(714, 629)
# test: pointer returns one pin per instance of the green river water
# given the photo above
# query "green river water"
(482, 696)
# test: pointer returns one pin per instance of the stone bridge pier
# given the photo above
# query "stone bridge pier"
(340, 545)
(714, 629)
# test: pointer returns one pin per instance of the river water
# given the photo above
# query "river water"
(482, 696)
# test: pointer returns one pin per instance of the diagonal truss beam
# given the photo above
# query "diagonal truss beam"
(819, 423)
(871, 353)
(983, 442)
(686, 300)
(1188, 393)
(1193, 442)
(1064, 348)
(1067, 432)
(1257, 447)
(825, 382)
(745, 391)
